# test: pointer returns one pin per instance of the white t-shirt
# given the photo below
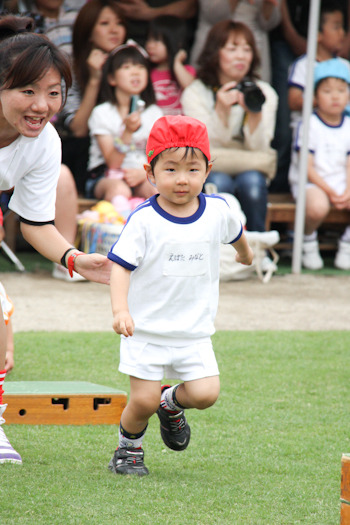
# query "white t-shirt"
(330, 146)
(174, 263)
(297, 78)
(106, 120)
(32, 166)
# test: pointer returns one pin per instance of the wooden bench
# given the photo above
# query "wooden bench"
(281, 210)
(63, 403)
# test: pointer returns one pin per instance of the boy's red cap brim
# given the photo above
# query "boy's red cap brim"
(177, 131)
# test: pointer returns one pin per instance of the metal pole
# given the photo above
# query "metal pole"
(314, 13)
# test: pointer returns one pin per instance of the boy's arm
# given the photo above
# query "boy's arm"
(244, 253)
(120, 281)
(316, 179)
(295, 98)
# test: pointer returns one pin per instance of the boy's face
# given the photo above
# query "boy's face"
(332, 96)
(179, 178)
(332, 35)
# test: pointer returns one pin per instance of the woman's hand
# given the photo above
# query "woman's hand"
(133, 177)
(9, 361)
(94, 267)
(95, 62)
(226, 97)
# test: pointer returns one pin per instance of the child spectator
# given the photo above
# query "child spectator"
(118, 136)
(328, 161)
(330, 40)
(166, 45)
(164, 290)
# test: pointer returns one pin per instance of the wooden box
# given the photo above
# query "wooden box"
(62, 403)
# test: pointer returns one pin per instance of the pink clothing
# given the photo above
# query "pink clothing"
(167, 90)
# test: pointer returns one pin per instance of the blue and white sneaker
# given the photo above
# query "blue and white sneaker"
(174, 429)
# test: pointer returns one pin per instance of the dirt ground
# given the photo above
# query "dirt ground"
(289, 302)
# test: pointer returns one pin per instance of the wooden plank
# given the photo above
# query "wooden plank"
(345, 478)
(63, 403)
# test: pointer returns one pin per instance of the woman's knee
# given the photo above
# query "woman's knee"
(222, 181)
(253, 185)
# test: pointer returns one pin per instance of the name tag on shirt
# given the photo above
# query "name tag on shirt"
(186, 260)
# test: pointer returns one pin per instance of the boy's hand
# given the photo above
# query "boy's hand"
(123, 323)
(9, 361)
(245, 258)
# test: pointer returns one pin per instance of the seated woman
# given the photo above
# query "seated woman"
(240, 117)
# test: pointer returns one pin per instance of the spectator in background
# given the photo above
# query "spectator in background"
(119, 132)
(287, 42)
(239, 136)
(166, 44)
(330, 41)
(328, 160)
(101, 27)
(54, 19)
(259, 15)
(139, 13)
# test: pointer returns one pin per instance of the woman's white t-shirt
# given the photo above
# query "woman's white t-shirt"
(32, 166)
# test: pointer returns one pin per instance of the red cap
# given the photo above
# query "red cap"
(177, 131)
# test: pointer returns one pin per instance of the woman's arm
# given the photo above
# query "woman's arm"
(120, 282)
(49, 242)
(79, 123)
(140, 10)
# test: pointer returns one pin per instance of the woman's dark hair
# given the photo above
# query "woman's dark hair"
(82, 30)
(131, 54)
(11, 25)
(26, 57)
(172, 31)
(208, 62)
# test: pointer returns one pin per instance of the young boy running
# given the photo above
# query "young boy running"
(328, 161)
(165, 287)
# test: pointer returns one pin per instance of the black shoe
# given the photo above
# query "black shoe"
(128, 461)
(174, 429)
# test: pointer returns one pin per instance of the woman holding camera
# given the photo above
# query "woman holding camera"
(240, 112)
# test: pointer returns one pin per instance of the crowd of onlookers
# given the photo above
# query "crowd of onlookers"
(237, 65)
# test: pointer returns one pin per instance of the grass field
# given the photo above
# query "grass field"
(268, 452)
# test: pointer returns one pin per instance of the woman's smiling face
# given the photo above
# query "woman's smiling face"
(235, 59)
(29, 108)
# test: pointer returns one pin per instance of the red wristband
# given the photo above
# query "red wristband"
(71, 259)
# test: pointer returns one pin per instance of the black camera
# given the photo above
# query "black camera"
(253, 96)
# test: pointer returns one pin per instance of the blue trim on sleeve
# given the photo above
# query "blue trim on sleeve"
(121, 262)
(238, 236)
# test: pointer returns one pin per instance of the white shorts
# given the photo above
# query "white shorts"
(154, 362)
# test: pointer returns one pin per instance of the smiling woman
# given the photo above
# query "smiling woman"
(34, 79)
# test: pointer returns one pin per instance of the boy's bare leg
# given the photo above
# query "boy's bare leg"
(143, 403)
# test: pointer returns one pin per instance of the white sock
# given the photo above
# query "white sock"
(346, 235)
(167, 400)
(311, 237)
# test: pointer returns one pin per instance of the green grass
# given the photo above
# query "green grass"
(268, 452)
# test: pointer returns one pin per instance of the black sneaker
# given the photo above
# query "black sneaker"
(174, 429)
(128, 461)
